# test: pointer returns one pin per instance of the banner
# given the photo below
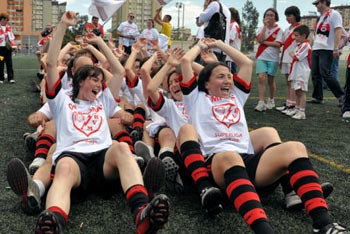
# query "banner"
(104, 9)
(163, 2)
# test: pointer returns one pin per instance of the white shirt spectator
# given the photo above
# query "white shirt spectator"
(129, 29)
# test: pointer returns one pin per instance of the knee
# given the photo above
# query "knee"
(65, 169)
(224, 161)
(187, 131)
(166, 134)
(296, 148)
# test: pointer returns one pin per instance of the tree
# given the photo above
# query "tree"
(78, 29)
(250, 24)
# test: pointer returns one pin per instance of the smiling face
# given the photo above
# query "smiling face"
(291, 19)
(220, 82)
(90, 87)
(174, 87)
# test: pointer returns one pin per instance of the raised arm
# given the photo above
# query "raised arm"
(243, 62)
(154, 84)
(69, 18)
(117, 69)
(157, 18)
(145, 73)
(188, 58)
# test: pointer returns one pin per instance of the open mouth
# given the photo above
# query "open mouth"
(95, 92)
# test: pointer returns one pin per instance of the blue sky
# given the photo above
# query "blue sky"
(193, 8)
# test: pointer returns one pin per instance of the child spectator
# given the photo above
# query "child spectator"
(300, 69)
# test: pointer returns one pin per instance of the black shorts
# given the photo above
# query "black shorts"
(91, 172)
(251, 162)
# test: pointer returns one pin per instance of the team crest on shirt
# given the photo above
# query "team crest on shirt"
(228, 114)
(87, 123)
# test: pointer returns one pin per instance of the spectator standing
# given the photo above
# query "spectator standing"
(292, 14)
(300, 69)
(235, 39)
(7, 44)
(151, 35)
(127, 32)
(214, 8)
(95, 27)
(269, 38)
(325, 48)
(166, 25)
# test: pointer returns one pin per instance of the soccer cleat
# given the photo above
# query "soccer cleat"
(48, 222)
(173, 181)
(37, 162)
(136, 134)
(23, 185)
(270, 104)
(154, 176)
(30, 140)
(1, 81)
(12, 81)
(286, 110)
(315, 101)
(139, 160)
(292, 111)
(143, 150)
(293, 201)
(281, 108)
(346, 115)
(153, 216)
(299, 115)
(261, 106)
(212, 200)
(332, 228)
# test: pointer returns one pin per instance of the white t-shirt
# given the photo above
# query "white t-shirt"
(235, 39)
(325, 27)
(300, 68)
(220, 122)
(173, 112)
(289, 43)
(128, 29)
(150, 34)
(271, 53)
(82, 125)
(213, 8)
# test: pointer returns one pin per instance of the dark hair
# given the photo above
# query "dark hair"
(274, 11)
(4, 16)
(205, 74)
(94, 17)
(293, 10)
(302, 30)
(169, 17)
(82, 74)
(235, 15)
(151, 20)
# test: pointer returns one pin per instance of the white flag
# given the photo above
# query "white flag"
(163, 2)
(104, 9)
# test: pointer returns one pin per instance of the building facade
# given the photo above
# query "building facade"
(29, 17)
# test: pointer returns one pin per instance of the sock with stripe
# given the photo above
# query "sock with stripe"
(242, 195)
(136, 196)
(137, 126)
(43, 144)
(124, 136)
(60, 214)
(194, 164)
(305, 183)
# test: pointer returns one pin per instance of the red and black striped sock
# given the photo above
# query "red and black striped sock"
(136, 196)
(194, 164)
(43, 144)
(242, 195)
(305, 183)
(60, 214)
(124, 136)
(139, 118)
